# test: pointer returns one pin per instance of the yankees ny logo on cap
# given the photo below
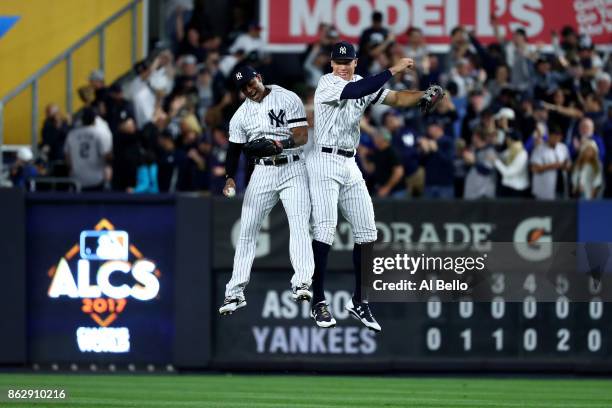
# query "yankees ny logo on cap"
(343, 51)
(243, 75)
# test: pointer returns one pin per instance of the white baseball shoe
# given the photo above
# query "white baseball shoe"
(322, 316)
(302, 293)
(231, 304)
(361, 311)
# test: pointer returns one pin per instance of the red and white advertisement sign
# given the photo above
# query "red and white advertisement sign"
(290, 24)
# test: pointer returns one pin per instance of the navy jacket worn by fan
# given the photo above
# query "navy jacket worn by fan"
(405, 143)
(439, 168)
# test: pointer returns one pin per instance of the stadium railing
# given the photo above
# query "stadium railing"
(66, 57)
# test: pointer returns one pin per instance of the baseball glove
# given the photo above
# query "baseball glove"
(432, 96)
(262, 147)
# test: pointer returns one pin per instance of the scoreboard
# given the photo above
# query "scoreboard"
(525, 329)
(499, 334)
(532, 311)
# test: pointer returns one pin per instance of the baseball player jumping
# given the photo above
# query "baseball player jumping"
(270, 127)
(334, 178)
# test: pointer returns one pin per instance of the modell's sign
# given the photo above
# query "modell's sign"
(104, 272)
(290, 24)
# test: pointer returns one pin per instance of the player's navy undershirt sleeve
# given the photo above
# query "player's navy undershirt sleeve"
(232, 159)
(365, 86)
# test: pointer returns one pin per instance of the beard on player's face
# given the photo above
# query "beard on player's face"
(345, 69)
(255, 89)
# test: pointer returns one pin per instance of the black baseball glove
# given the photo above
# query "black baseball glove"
(262, 147)
(432, 96)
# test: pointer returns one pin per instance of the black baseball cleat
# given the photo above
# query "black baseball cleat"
(302, 293)
(230, 305)
(321, 315)
(361, 311)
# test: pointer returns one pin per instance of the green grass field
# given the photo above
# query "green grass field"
(309, 391)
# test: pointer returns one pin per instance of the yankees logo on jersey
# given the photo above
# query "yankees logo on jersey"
(277, 119)
(273, 117)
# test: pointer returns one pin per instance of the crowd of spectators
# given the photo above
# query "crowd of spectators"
(517, 122)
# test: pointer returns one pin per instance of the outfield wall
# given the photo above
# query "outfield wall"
(116, 279)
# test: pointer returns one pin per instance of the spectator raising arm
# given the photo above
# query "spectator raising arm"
(564, 110)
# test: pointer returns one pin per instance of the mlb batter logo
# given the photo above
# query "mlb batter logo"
(104, 245)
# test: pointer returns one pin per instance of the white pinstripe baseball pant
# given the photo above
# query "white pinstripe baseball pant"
(334, 181)
(289, 182)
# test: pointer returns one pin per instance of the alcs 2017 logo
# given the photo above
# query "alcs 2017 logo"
(116, 280)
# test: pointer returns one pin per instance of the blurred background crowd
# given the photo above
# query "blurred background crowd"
(518, 121)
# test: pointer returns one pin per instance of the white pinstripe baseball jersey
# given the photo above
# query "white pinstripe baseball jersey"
(335, 180)
(272, 118)
(337, 121)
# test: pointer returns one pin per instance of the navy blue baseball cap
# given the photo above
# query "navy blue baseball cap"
(243, 75)
(343, 51)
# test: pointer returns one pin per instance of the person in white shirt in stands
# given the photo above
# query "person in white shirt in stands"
(513, 167)
(105, 133)
(249, 41)
(229, 62)
(549, 164)
(586, 177)
(315, 64)
(141, 94)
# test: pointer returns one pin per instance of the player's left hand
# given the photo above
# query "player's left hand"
(431, 98)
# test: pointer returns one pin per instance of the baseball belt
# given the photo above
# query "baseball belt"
(277, 161)
(341, 152)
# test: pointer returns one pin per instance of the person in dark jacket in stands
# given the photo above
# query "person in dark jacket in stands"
(437, 152)
(383, 165)
(216, 158)
(166, 162)
(118, 109)
(405, 143)
(190, 159)
(54, 132)
(127, 150)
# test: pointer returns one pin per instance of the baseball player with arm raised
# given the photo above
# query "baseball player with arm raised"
(334, 178)
(270, 127)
